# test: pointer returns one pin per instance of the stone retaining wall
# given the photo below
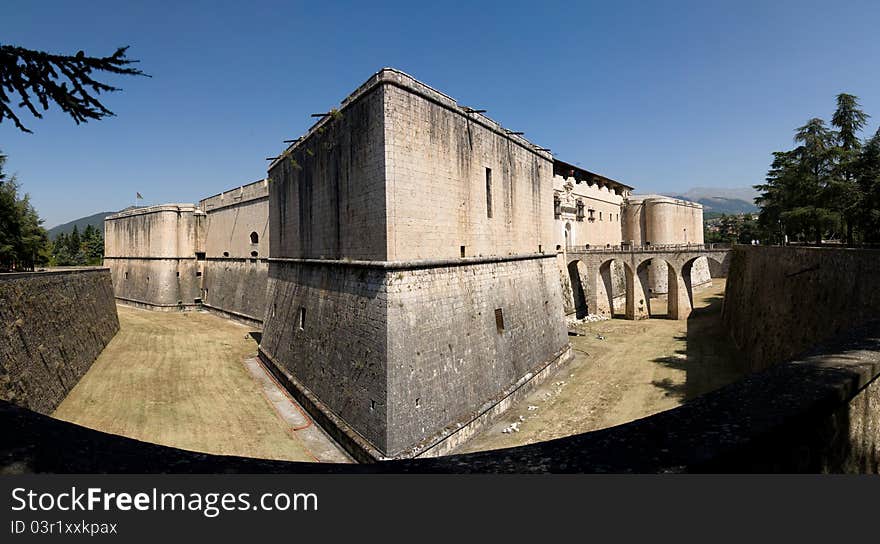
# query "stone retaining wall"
(53, 325)
(780, 301)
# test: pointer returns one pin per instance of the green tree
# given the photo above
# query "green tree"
(36, 79)
(842, 193)
(24, 243)
(93, 245)
(867, 171)
(60, 253)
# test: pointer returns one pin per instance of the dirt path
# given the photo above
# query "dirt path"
(638, 369)
(180, 379)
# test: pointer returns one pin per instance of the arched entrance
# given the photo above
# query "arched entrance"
(711, 268)
(577, 271)
(611, 288)
(658, 305)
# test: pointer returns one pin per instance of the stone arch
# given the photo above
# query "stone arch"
(576, 273)
(687, 271)
(654, 264)
(613, 277)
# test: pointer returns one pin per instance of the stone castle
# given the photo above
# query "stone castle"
(406, 259)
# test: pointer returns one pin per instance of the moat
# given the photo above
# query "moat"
(196, 387)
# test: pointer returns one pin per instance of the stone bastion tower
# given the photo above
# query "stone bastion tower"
(412, 285)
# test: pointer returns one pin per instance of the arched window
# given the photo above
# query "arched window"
(255, 238)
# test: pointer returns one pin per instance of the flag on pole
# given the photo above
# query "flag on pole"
(140, 197)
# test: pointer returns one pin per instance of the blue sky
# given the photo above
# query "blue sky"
(659, 95)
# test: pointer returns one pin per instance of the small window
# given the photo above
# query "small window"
(200, 255)
(126, 275)
(253, 253)
(600, 216)
(226, 254)
(197, 300)
(489, 193)
(255, 238)
(499, 320)
(557, 207)
(198, 273)
(462, 252)
(178, 273)
(302, 319)
(540, 248)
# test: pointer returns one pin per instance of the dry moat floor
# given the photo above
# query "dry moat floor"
(184, 380)
(636, 369)
(189, 380)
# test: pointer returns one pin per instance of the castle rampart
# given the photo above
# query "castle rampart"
(407, 258)
(152, 255)
(236, 248)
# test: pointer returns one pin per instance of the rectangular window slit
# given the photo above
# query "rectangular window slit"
(499, 319)
(302, 319)
(462, 252)
(489, 193)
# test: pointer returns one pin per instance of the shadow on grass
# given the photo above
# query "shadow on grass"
(710, 360)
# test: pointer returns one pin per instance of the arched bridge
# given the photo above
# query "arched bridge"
(592, 274)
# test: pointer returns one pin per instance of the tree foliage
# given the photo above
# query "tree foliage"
(824, 188)
(77, 249)
(24, 243)
(37, 79)
(733, 229)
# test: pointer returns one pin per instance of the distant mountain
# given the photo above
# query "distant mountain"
(95, 220)
(718, 200)
(736, 193)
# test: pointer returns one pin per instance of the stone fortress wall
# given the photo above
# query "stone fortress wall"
(53, 325)
(151, 253)
(236, 247)
(180, 256)
(408, 260)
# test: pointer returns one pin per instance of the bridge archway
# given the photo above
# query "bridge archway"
(612, 292)
(687, 272)
(577, 270)
(644, 271)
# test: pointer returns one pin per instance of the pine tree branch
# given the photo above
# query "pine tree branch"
(40, 79)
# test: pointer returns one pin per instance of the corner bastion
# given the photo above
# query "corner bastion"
(410, 295)
(152, 255)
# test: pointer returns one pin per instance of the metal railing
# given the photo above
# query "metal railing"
(651, 248)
